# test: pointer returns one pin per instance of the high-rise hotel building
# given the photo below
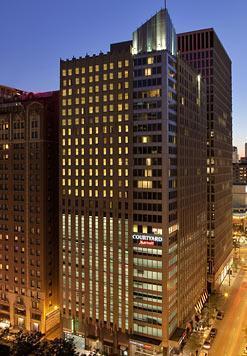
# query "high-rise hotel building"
(29, 210)
(132, 193)
(204, 51)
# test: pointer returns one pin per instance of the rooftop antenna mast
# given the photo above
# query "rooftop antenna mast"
(165, 4)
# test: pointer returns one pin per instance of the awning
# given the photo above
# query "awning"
(201, 302)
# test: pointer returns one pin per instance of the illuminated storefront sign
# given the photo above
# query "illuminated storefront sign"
(147, 240)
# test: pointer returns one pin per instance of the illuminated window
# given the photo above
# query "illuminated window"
(120, 64)
(148, 172)
(148, 72)
(145, 184)
(145, 139)
(150, 60)
(64, 72)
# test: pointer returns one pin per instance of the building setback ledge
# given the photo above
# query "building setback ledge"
(145, 340)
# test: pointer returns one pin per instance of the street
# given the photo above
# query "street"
(231, 337)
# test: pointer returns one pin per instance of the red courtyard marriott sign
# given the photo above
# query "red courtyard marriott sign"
(147, 240)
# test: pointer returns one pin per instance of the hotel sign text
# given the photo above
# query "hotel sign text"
(147, 240)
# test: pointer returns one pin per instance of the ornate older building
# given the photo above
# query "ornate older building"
(29, 210)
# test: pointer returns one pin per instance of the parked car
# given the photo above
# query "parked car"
(207, 344)
(213, 332)
(220, 315)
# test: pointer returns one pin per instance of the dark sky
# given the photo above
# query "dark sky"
(36, 34)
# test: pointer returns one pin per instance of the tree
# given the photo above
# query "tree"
(57, 347)
(26, 343)
(194, 342)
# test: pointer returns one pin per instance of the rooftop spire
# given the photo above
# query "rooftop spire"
(165, 4)
(156, 34)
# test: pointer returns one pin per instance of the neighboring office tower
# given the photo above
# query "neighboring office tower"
(203, 50)
(29, 210)
(240, 171)
(235, 156)
(121, 230)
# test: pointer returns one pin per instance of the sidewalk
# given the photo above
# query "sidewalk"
(217, 301)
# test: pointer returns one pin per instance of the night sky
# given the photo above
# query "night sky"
(36, 34)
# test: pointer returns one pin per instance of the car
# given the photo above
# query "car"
(213, 332)
(207, 344)
(220, 315)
